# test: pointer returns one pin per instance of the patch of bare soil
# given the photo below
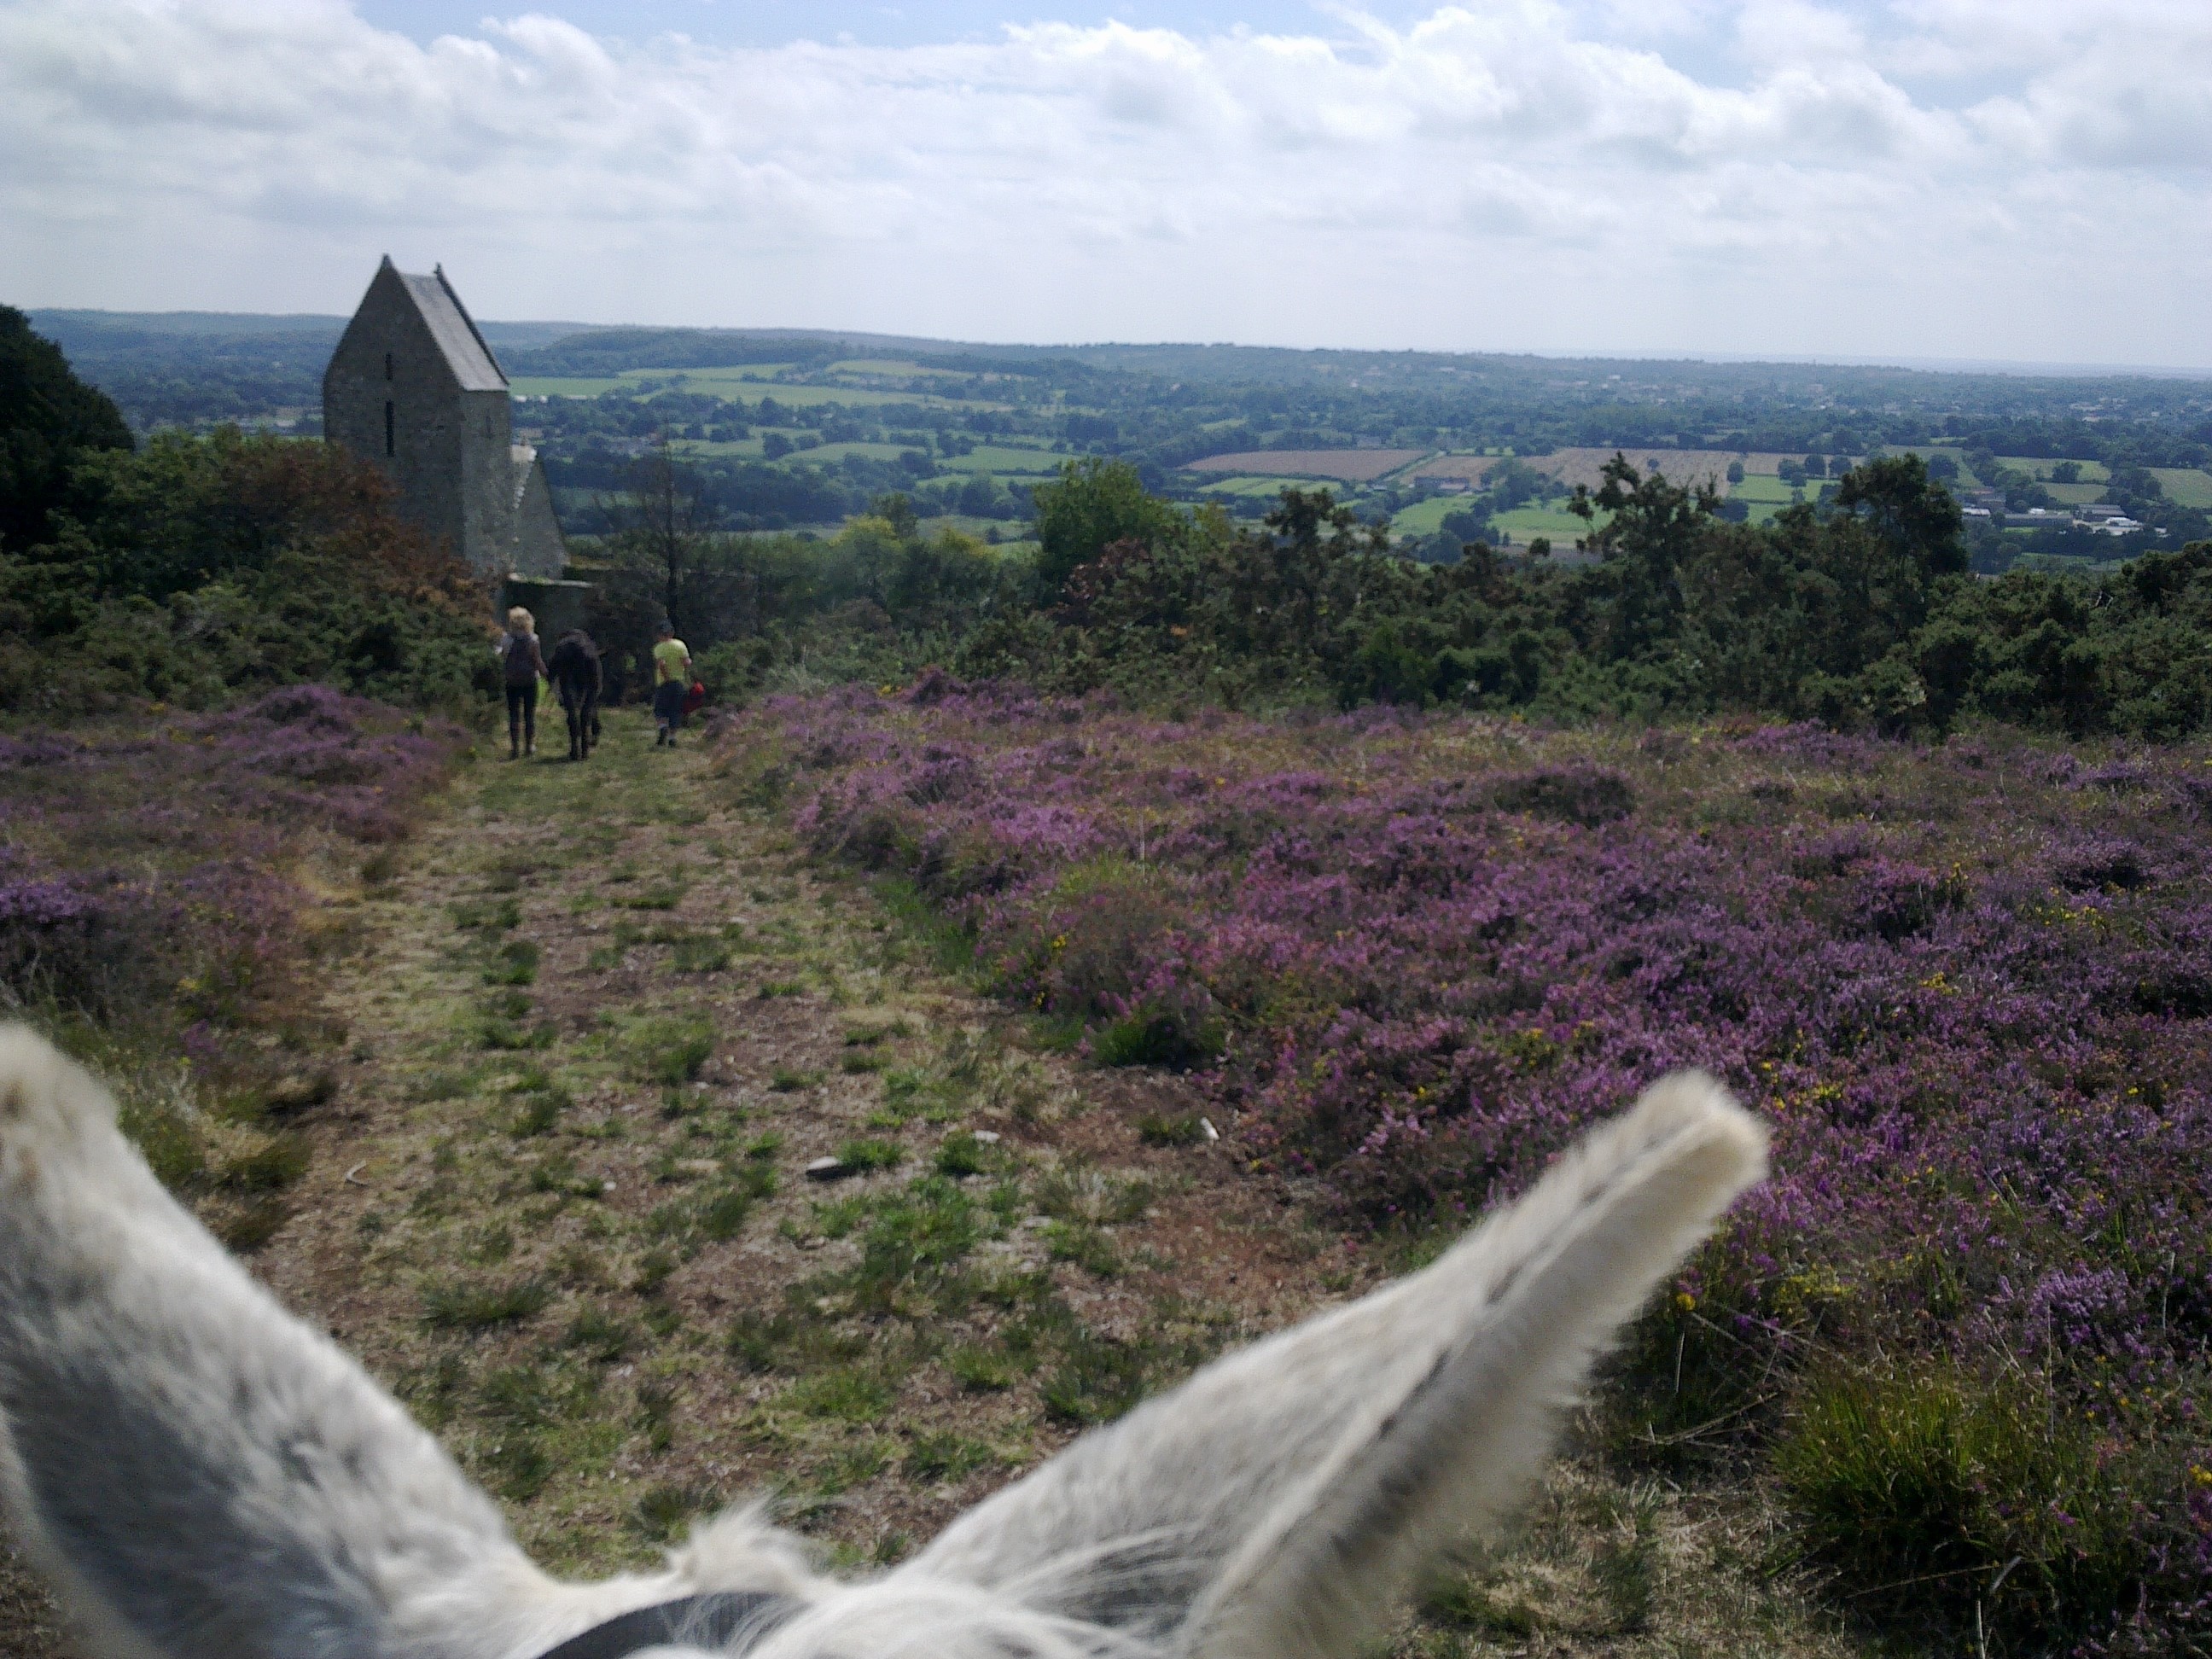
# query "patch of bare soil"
(604, 1025)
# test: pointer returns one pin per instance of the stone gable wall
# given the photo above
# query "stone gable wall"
(448, 454)
(538, 549)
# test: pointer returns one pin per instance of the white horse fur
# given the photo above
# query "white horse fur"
(202, 1476)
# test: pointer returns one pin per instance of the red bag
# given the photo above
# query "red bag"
(694, 699)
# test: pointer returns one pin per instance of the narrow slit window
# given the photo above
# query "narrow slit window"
(387, 365)
(390, 447)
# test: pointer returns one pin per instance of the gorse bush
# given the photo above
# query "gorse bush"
(1858, 611)
(1970, 985)
(197, 570)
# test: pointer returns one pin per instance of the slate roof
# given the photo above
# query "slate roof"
(465, 349)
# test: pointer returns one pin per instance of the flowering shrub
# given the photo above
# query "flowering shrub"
(148, 907)
(1968, 986)
(147, 860)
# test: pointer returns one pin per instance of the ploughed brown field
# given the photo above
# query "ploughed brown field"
(1584, 467)
(1351, 465)
(1568, 466)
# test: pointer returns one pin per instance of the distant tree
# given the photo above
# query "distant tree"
(1513, 483)
(1656, 533)
(1942, 467)
(2066, 472)
(775, 446)
(1816, 466)
(48, 418)
(896, 510)
(1736, 472)
(661, 527)
(1896, 537)
(1093, 504)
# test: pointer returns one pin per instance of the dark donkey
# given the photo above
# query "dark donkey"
(574, 668)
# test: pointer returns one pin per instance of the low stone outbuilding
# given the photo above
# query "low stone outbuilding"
(413, 388)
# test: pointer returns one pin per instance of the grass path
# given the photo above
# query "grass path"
(565, 1210)
(601, 1020)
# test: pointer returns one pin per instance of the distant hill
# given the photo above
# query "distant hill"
(193, 367)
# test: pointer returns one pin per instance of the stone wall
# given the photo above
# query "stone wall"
(390, 398)
(538, 549)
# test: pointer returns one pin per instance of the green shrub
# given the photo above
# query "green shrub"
(465, 1305)
(661, 1510)
(1956, 1494)
(539, 1114)
(1178, 1129)
(672, 1049)
(845, 1394)
(600, 1335)
(519, 1465)
(1096, 1381)
(516, 964)
(722, 1217)
(962, 1155)
(699, 954)
(933, 1457)
(868, 1156)
(981, 1368)
(268, 1168)
(1084, 1245)
(1156, 1037)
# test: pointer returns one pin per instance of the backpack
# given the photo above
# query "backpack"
(521, 670)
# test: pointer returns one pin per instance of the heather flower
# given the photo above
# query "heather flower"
(1971, 986)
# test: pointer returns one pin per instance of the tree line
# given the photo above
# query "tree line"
(194, 569)
(1859, 610)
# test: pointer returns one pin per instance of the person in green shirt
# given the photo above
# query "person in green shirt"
(672, 683)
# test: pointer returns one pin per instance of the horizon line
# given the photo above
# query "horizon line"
(2015, 367)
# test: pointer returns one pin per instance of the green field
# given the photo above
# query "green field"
(1424, 518)
(1262, 489)
(828, 452)
(1005, 460)
(1524, 522)
(2185, 486)
(2040, 469)
(886, 369)
(747, 448)
(539, 386)
(726, 371)
(2075, 494)
(746, 382)
(808, 397)
(1009, 530)
(1764, 489)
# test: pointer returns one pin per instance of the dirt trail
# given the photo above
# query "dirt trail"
(601, 1020)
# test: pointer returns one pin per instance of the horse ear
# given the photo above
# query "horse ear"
(199, 1472)
(1281, 1500)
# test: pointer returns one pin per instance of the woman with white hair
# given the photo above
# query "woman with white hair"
(522, 666)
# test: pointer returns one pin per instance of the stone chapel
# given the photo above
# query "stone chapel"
(413, 388)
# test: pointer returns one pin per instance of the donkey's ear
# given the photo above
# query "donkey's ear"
(1281, 1500)
(201, 1474)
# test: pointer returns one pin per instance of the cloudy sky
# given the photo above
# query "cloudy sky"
(2026, 180)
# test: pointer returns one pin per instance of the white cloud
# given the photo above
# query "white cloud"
(1957, 178)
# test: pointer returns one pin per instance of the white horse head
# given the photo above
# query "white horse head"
(205, 1477)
